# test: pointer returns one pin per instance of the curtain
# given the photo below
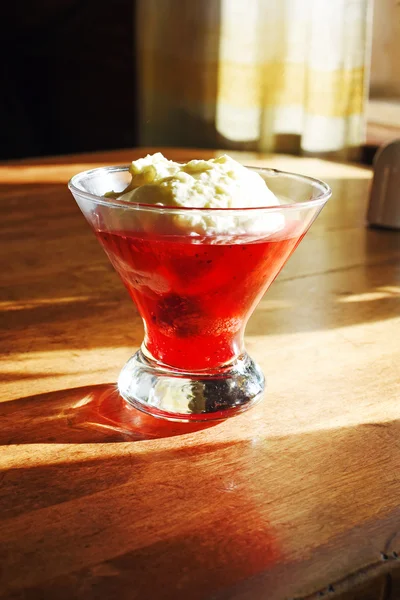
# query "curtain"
(266, 75)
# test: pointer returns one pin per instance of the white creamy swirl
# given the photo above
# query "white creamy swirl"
(219, 183)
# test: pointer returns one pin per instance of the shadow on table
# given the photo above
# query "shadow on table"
(92, 414)
(249, 517)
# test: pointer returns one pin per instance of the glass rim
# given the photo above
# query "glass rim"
(320, 199)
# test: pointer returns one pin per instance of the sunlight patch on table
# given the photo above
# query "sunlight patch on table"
(13, 305)
(389, 291)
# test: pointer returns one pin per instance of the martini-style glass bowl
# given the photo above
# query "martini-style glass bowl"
(196, 276)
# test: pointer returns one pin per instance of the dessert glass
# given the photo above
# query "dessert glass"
(195, 292)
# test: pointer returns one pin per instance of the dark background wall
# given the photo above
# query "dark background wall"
(67, 77)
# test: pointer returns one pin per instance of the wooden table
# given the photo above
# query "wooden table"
(297, 498)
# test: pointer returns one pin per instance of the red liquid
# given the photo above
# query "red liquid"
(195, 298)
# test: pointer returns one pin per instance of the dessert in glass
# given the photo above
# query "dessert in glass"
(196, 245)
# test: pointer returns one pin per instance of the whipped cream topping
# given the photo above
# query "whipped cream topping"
(219, 183)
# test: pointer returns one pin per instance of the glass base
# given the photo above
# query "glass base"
(176, 395)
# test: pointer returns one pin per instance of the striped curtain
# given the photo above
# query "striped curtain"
(267, 75)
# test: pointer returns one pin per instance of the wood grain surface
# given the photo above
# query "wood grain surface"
(298, 498)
